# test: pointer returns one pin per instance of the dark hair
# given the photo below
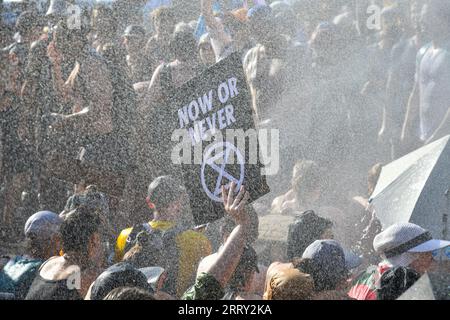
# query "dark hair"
(35, 246)
(183, 44)
(129, 293)
(395, 282)
(77, 229)
(307, 228)
(323, 281)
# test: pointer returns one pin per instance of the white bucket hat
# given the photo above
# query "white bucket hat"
(397, 243)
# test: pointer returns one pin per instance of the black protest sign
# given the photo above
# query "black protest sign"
(213, 110)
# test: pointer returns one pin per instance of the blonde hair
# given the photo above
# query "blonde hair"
(289, 284)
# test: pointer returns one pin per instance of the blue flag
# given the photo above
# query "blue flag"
(201, 23)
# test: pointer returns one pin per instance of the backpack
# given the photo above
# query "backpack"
(18, 275)
(159, 248)
(96, 202)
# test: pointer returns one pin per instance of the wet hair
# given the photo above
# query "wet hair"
(183, 43)
(309, 177)
(165, 190)
(307, 228)
(77, 229)
(129, 293)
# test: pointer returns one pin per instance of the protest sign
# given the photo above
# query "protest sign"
(216, 140)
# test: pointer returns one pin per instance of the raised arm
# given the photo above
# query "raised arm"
(94, 115)
(228, 258)
(98, 111)
(216, 28)
(154, 93)
(207, 13)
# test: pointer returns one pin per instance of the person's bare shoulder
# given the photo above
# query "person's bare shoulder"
(361, 201)
(277, 203)
(141, 87)
(289, 206)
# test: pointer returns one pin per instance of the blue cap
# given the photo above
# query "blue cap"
(42, 225)
(328, 256)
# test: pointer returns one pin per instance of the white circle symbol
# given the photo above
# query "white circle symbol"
(224, 151)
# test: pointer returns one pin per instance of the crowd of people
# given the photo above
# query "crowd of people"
(87, 181)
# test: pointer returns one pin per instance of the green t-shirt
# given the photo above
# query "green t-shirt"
(206, 287)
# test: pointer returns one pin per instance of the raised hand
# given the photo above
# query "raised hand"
(235, 206)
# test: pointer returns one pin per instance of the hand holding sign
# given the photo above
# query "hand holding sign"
(235, 207)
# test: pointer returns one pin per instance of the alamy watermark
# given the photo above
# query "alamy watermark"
(373, 22)
(254, 147)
